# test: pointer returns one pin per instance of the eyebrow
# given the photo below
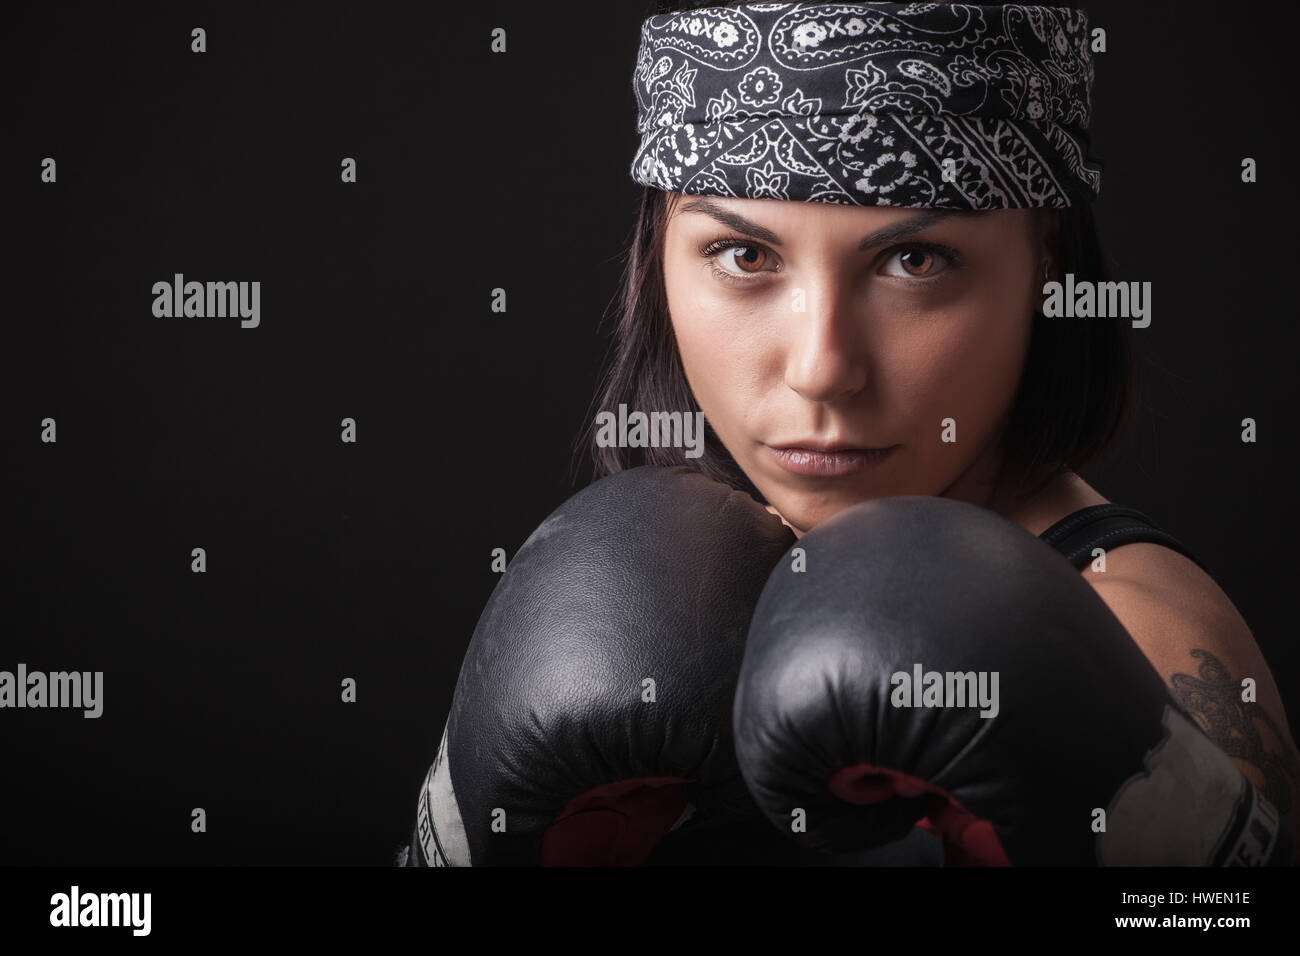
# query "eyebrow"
(899, 230)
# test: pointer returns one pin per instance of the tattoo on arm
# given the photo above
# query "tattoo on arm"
(1213, 698)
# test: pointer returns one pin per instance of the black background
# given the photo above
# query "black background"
(372, 561)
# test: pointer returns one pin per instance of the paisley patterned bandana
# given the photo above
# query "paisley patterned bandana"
(872, 104)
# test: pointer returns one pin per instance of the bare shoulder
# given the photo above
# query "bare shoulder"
(1190, 631)
(1170, 606)
(1166, 600)
(1197, 640)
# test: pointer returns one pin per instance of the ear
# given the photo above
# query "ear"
(1048, 228)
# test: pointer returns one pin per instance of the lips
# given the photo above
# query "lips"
(828, 461)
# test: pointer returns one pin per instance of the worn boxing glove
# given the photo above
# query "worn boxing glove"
(592, 714)
(937, 663)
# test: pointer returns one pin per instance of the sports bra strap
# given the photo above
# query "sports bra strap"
(1107, 526)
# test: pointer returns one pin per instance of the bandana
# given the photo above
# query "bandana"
(872, 104)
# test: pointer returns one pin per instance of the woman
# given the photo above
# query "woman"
(837, 343)
(851, 213)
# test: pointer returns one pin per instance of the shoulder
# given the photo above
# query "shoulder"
(1184, 622)
(1168, 603)
(1199, 643)
(1188, 628)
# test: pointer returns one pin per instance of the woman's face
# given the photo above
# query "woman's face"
(811, 331)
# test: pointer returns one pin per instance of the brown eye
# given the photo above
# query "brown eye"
(733, 260)
(916, 262)
(748, 258)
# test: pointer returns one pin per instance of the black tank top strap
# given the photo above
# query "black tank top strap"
(1107, 527)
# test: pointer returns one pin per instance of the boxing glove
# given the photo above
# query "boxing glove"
(937, 663)
(592, 714)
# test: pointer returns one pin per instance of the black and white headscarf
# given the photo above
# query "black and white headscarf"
(865, 103)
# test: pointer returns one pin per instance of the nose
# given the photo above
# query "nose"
(825, 359)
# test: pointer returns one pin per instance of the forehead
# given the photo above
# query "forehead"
(772, 219)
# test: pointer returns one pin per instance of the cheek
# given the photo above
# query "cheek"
(720, 377)
(722, 353)
(964, 365)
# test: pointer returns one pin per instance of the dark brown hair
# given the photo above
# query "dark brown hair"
(1075, 397)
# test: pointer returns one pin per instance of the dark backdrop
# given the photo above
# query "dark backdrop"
(371, 561)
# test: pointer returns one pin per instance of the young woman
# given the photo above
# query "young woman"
(850, 217)
(842, 352)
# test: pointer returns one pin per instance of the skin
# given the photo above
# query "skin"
(892, 339)
(878, 357)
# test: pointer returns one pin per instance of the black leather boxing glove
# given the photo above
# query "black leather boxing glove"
(592, 714)
(834, 729)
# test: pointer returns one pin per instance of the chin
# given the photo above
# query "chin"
(806, 515)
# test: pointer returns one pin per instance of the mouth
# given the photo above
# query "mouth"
(828, 461)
